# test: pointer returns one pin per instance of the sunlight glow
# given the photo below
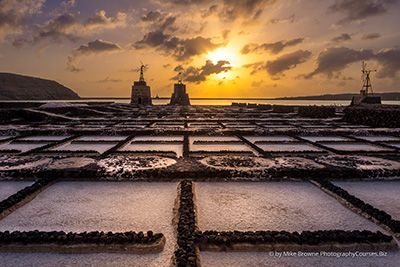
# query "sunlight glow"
(226, 54)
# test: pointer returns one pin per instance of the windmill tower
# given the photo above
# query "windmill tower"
(366, 90)
(141, 94)
(367, 86)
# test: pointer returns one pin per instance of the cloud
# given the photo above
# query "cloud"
(257, 66)
(66, 25)
(291, 19)
(197, 75)
(94, 48)
(341, 38)
(257, 83)
(286, 62)
(249, 10)
(13, 15)
(273, 48)
(108, 80)
(371, 36)
(277, 67)
(356, 10)
(332, 60)
(389, 61)
(228, 10)
(159, 21)
(180, 49)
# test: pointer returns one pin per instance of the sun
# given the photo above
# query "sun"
(226, 54)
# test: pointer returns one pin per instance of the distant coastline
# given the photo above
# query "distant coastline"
(348, 96)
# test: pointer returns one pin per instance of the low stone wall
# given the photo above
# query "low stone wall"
(373, 115)
(364, 209)
(330, 240)
(92, 242)
(316, 111)
(24, 196)
(187, 253)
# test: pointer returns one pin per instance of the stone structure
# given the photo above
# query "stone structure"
(140, 91)
(179, 96)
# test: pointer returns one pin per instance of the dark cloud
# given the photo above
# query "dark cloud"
(277, 67)
(371, 36)
(355, 10)
(184, 2)
(13, 15)
(286, 62)
(256, 67)
(389, 61)
(291, 19)
(160, 21)
(248, 10)
(66, 25)
(97, 47)
(197, 75)
(273, 48)
(225, 34)
(108, 80)
(341, 38)
(205, 13)
(332, 60)
(180, 49)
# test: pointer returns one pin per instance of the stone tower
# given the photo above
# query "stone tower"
(179, 96)
(140, 91)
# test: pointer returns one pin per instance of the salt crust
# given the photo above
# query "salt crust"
(255, 163)
(359, 162)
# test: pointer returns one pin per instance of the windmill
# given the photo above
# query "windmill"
(142, 69)
(367, 86)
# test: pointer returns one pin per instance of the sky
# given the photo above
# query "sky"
(227, 48)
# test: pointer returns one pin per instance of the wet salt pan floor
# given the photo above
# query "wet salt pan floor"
(288, 147)
(101, 148)
(261, 259)
(272, 206)
(90, 206)
(381, 195)
(9, 188)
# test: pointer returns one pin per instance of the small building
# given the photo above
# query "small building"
(141, 94)
(179, 96)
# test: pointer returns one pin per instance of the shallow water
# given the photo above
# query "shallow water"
(22, 147)
(269, 138)
(177, 148)
(157, 138)
(355, 147)
(324, 138)
(101, 138)
(45, 138)
(287, 147)
(101, 148)
(378, 138)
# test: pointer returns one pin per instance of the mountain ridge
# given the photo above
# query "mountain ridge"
(21, 87)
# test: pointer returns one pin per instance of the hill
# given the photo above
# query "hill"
(20, 87)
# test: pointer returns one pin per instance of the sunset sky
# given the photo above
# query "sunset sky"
(228, 48)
